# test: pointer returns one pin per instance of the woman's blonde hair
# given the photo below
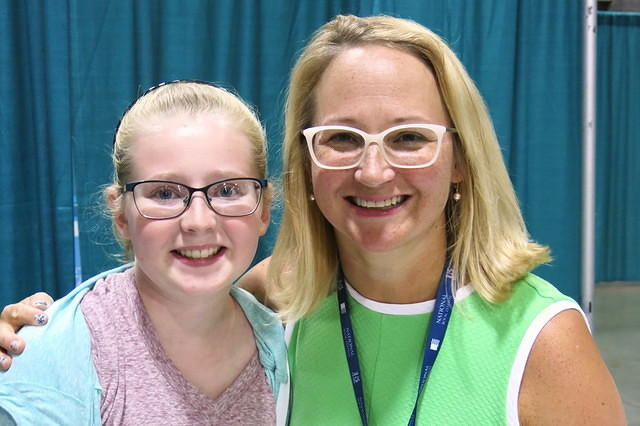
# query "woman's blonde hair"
(175, 97)
(488, 242)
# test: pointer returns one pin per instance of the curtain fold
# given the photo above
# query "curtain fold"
(618, 147)
(36, 243)
(70, 68)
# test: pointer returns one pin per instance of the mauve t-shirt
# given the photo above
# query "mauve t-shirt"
(140, 384)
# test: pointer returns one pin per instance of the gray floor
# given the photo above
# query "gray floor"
(616, 328)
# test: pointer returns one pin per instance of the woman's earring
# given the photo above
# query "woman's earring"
(456, 194)
(312, 197)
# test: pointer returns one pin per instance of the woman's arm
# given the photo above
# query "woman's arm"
(566, 381)
(27, 312)
(30, 311)
(255, 282)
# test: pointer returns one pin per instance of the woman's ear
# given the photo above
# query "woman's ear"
(459, 165)
(457, 175)
(115, 201)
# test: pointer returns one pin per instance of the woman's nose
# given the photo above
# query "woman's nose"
(374, 169)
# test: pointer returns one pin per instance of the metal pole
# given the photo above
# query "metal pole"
(588, 157)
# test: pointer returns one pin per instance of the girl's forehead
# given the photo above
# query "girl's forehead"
(180, 117)
(194, 147)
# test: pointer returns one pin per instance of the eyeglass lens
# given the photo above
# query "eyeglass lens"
(407, 146)
(167, 199)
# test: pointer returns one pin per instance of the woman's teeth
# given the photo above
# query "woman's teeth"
(383, 204)
(199, 254)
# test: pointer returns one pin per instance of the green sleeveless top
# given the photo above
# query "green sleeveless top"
(475, 379)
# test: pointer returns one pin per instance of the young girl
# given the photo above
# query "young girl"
(167, 339)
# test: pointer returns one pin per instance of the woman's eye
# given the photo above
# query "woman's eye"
(341, 141)
(344, 137)
(410, 138)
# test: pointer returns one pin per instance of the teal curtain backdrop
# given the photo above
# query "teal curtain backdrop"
(618, 147)
(35, 150)
(69, 69)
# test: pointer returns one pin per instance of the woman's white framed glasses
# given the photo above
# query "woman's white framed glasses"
(408, 146)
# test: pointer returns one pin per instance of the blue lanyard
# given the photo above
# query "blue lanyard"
(433, 342)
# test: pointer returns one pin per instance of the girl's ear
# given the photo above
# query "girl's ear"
(115, 201)
(265, 210)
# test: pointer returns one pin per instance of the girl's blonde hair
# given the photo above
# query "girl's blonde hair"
(488, 242)
(176, 97)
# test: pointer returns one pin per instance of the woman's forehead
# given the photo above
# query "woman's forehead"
(378, 81)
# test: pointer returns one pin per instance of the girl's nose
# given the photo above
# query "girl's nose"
(199, 215)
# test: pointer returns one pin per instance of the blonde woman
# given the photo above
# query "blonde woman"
(398, 209)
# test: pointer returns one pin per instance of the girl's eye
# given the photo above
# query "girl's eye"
(227, 190)
(164, 194)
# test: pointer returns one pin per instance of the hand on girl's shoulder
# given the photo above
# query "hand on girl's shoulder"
(29, 311)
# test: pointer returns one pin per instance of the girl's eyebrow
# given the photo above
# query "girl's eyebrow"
(211, 177)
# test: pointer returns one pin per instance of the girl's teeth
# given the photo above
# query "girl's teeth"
(378, 204)
(199, 254)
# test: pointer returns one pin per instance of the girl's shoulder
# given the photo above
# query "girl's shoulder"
(269, 333)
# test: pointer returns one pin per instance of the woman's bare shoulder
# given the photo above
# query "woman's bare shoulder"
(565, 379)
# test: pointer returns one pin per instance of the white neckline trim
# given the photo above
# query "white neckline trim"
(406, 308)
(282, 403)
(520, 362)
